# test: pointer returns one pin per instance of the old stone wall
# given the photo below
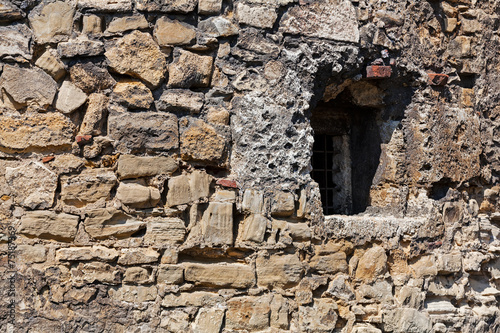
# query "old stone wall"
(155, 166)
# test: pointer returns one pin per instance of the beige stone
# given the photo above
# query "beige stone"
(253, 201)
(86, 253)
(424, 266)
(80, 47)
(330, 263)
(91, 272)
(168, 32)
(190, 70)
(105, 223)
(139, 56)
(49, 61)
(186, 188)
(79, 295)
(138, 256)
(200, 142)
(470, 26)
(170, 274)
(136, 194)
(15, 42)
(220, 275)
(248, 313)
(106, 5)
(282, 271)
(29, 254)
(197, 298)
(122, 24)
(199, 184)
(48, 224)
(9, 11)
(449, 263)
(176, 320)
(137, 275)
(299, 231)
(165, 230)
(178, 100)
(70, 97)
(218, 27)
(32, 184)
(92, 25)
(218, 116)
(365, 328)
(380, 290)
(404, 320)
(92, 123)
(320, 317)
(130, 166)
(450, 24)
(170, 6)
(53, 23)
(66, 163)
(366, 94)
(89, 186)
(283, 204)
(209, 7)
(253, 228)
(217, 224)
(224, 196)
(257, 16)
(133, 294)
(340, 288)
(372, 264)
(90, 78)
(133, 94)
(208, 320)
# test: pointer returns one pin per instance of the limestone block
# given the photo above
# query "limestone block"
(406, 320)
(201, 142)
(330, 19)
(92, 123)
(340, 288)
(380, 290)
(172, 32)
(248, 313)
(299, 231)
(209, 7)
(424, 266)
(372, 264)
(89, 186)
(82, 47)
(49, 61)
(197, 298)
(9, 11)
(208, 320)
(224, 196)
(330, 263)
(257, 16)
(136, 275)
(217, 224)
(218, 116)
(95, 271)
(32, 185)
(106, 5)
(449, 263)
(218, 27)
(122, 24)
(66, 163)
(70, 97)
(178, 100)
(320, 317)
(170, 274)
(253, 228)
(130, 166)
(135, 193)
(473, 261)
(220, 275)
(133, 294)
(86, 253)
(133, 94)
(105, 223)
(163, 231)
(412, 297)
(283, 204)
(155, 131)
(167, 6)
(92, 25)
(176, 320)
(494, 269)
(52, 22)
(190, 70)
(282, 271)
(48, 224)
(187, 188)
(253, 201)
(440, 307)
(199, 184)
(79, 295)
(90, 78)
(28, 85)
(139, 56)
(136, 256)
(365, 328)
(29, 254)
(15, 41)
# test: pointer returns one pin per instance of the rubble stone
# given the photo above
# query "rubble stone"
(217, 224)
(168, 32)
(90, 78)
(136, 194)
(170, 274)
(130, 166)
(248, 313)
(122, 24)
(105, 223)
(47, 224)
(49, 61)
(133, 94)
(53, 22)
(15, 41)
(80, 47)
(70, 97)
(162, 231)
(178, 100)
(219, 275)
(190, 70)
(194, 134)
(87, 187)
(138, 256)
(167, 6)
(262, 17)
(279, 271)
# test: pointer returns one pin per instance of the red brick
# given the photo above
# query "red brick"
(227, 183)
(83, 139)
(47, 159)
(378, 72)
(437, 79)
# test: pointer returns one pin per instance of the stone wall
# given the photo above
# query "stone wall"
(155, 160)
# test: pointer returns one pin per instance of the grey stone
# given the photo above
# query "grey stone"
(47, 224)
(130, 166)
(178, 100)
(70, 97)
(218, 27)
(80, 47)
(190, 70)
(167, 6)
(208, 7)
(153, 131)
(257, 16)
(87, 187)
(320, 317)
(406, 320)
(52, 22)
(106, 5)
(15, 41)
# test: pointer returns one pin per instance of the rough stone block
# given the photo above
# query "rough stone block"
(320, 317)
(137, 275)
(424, 266)
(105, 223)
(248, 313)
(163, 231)
(283, 204)
(92, 25)
(86, 253)
(299, 231)
(52, 22)
(257, 16)
(404, 320)
(282, 271)
(209, 7)
(179, 100)
(15, 42)
(153, 131)
(449, 263)
(89, 186)
(372, 264)
(190, 70)
(33, 185)
(172, 32)
(133, 94)
(80, 47)
(208, 321)
(218, 27)
(167, 6)
(253, 201)
(170, 274)
(220, 275)
(9, 11)
(135, 193)
(48, 224)
(90, 78)
(139, 56)
(138, 256)
(130, 166)
(330, 263)
(122, 24)
(49, 61)
(106, 5)
(187, 188)
(253, 228)
(91, 272)
(70, 97)
(197, 298)
(201, 142)
(217, 224)
(29, 254)
(133, 294)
